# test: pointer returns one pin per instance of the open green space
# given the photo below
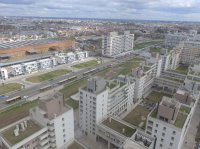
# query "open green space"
(72, 89)
(142, 45)
(16, 114)
(181, 81)
(180, 120)
(47, 76)
(154, 49)
(186, 109)
(111, 86)
(137, 59)
(6, 88)
(117, 126)
(181, 70)
(75, 146)
(154, 113)
(129, 65)
(72, 103)
(31, 128)
(134, 117)
(157, 96)
(175, 71)
(85, 64)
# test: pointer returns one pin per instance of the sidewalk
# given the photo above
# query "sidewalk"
(192, 130)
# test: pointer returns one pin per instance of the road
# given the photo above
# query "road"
(35, 89)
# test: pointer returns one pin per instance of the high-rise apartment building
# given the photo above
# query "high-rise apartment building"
(115, 44)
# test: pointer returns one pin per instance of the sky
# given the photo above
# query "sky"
(169, 10)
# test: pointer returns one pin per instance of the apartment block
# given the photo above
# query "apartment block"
(50, 125)
(115, 44)
(92, 105)
(3, 74)
(170, 120)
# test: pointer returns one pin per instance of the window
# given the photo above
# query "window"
(164, 128)
(174, 132)
(63, 136)
(63, 125)
(155, 131)
(63, 119)
(163, 134)
(63, 130)
(33, 142)
(172, 138)
(64, 140)
(171, 144)
(162, 139)
(160, 145)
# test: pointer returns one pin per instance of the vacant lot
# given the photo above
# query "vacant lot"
(117, 126)
(16, 114)
(72, 103)
(6, 88)
(72, 89)
(85, 64)
(142, 45)
(47, 76)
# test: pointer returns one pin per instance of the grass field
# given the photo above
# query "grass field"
(47, 76)
(137, 59)
(157, 96)
(181, 81)
(115, 125)
(129, 65)
(180, 120)
(72, 89)
(85, 64)
(181, 70)
(142, 45)
(155, 50)
(6, 88)
(16, 114)
(186, 109)
(72, 103)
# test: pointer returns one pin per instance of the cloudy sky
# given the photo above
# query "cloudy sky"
(177, 10)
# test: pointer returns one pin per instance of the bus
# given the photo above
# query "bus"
(45, 88)
(13, 99)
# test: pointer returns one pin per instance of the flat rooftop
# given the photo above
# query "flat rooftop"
(117, 126)
(8, 134)
(30, 42)
(50, 97)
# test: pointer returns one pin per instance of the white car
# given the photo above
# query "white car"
(25, 96)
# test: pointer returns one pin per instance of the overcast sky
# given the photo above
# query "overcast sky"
(177, 10)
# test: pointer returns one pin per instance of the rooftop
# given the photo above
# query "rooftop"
(130, 144)
(111, 86)
(181, 81)
(51, 96)
(117, 126)
(8, 134)
(180, 120)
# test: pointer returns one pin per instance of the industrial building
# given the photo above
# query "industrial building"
(20, 48)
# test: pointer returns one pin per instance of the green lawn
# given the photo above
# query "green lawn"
(180, 120)
(117, 126)
(85, 64)
(175, 71)
(186, 109)
(129, 65)
(16, 114)
(182, 68)
(111, 86)
(6, 88)
(31, 128)
(181, 81)
(137, 59)
(47, 76)
(72, 103)
(155, 50)
(142, 45)
(134, 117)
(157, 96)
(72, 89)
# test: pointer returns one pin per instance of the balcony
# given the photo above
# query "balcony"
(53, 145)
(51, 121)
(52, 134)
(45, 147)
(51, 128)
(42, 143)
(43, 136)
(52, 139)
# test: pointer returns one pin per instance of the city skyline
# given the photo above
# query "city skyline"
(178, 10)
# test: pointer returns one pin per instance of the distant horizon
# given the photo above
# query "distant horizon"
(98, 19)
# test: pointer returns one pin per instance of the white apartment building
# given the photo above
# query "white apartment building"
(45, 63)
(169, 123)
(145, 74)
(62, 60)
(82, 55)
(3, 74)
(16, 70)
(30, 67)
(120, 95)
(115, 44)
(50, 125)
(71, 57)
(92, 105)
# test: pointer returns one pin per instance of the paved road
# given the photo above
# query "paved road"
(35, 89)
